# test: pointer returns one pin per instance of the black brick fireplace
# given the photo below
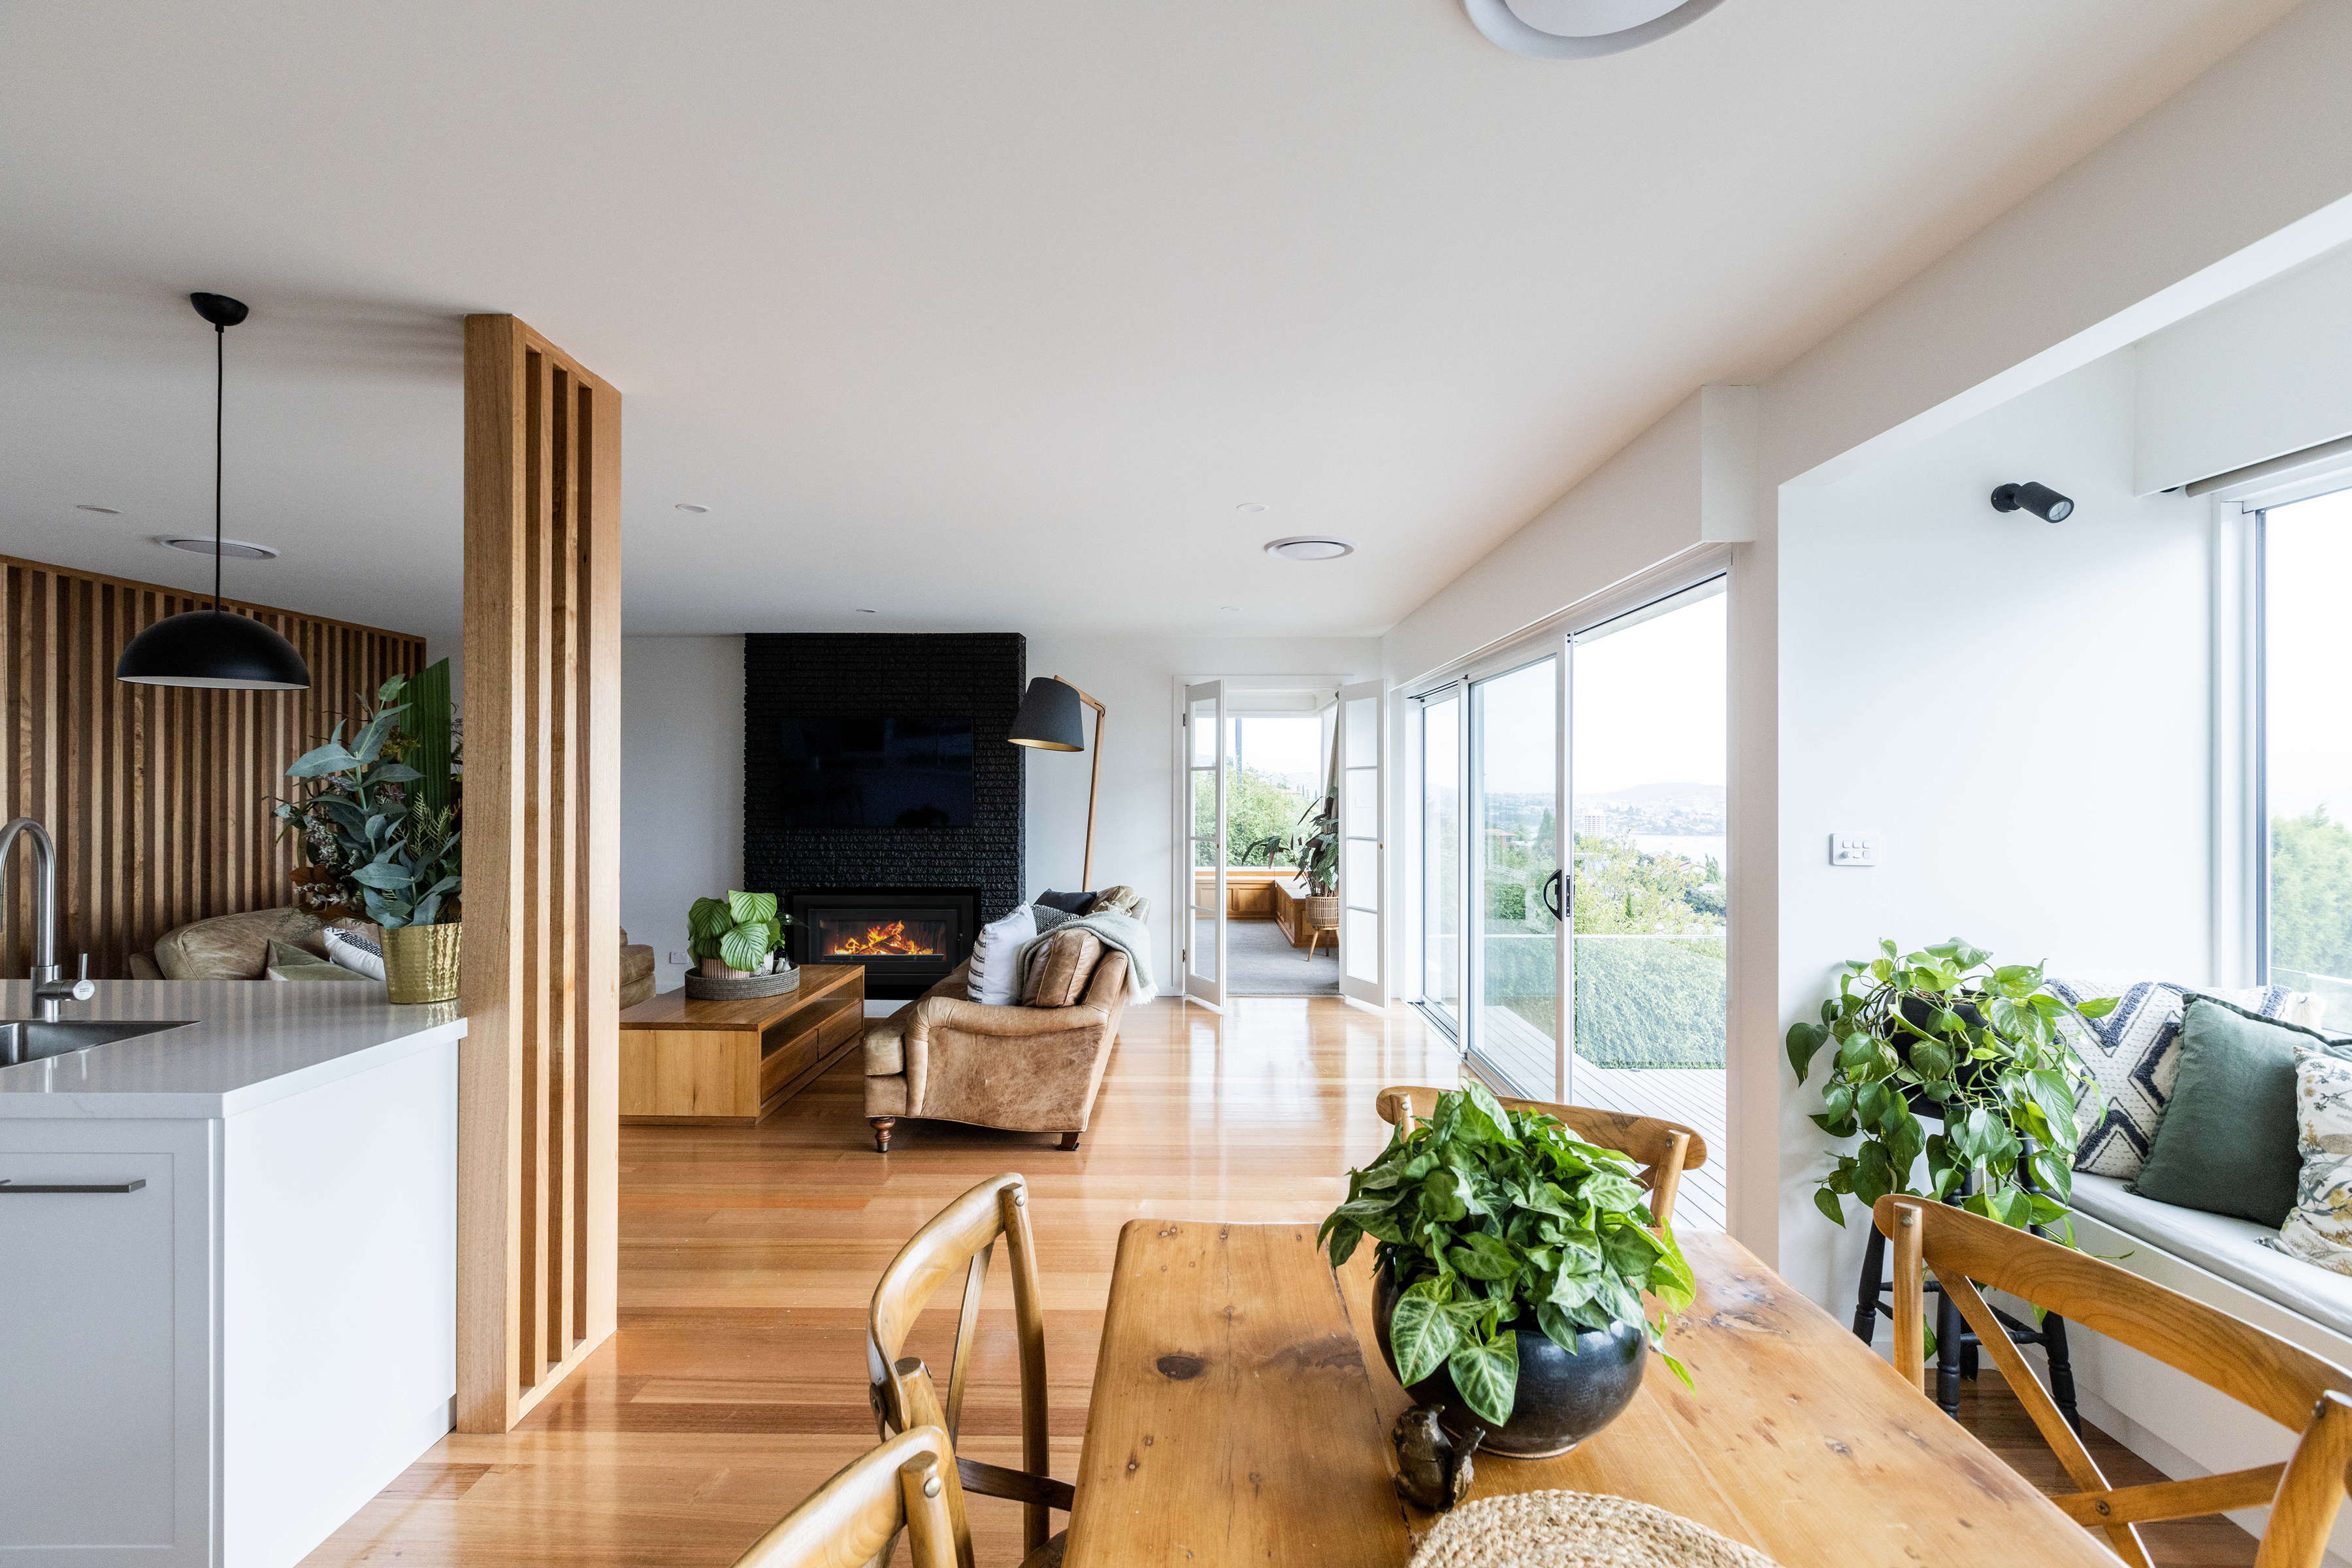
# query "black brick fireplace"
(957, 874)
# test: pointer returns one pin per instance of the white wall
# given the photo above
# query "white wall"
(681, 785)
(2020, 710)
(1135, 833)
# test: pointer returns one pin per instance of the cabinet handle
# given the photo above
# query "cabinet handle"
(131, 1186)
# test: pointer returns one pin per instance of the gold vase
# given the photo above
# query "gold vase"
(420, 962)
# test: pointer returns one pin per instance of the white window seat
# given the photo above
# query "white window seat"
(2230, 1248)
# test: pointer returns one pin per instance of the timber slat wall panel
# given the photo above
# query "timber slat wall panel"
(539, 1094)
(158, 796)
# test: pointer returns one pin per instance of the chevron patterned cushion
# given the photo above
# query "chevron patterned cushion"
(2134, 1053)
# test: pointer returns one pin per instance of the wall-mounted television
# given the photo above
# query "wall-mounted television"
(876, 773)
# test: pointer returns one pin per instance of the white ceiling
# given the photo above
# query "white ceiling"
(985, 316)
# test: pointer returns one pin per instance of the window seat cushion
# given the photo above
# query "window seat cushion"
(2235, 1249)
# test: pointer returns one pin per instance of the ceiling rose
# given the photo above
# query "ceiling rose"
(1579, 29)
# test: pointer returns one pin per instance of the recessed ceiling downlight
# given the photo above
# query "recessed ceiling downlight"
(1309, 547)
(234, 548)
(1582, 29)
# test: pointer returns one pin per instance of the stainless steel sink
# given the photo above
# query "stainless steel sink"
(32, 1039)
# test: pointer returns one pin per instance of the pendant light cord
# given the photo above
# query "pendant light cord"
(220, 380)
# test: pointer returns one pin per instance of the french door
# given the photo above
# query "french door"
(1202, 846)
(1360, 743)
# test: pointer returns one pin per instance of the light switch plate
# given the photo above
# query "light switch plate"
(679, 958)
(1857, 847)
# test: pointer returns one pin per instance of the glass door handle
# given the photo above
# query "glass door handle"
(1554, 891)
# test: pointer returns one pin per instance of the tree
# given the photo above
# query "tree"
(2311, 895)
(1259, 807)
(1622, 891)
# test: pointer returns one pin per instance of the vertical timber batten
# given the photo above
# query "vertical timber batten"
(539, 1084)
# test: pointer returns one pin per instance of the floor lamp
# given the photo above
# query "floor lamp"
(1050, 720)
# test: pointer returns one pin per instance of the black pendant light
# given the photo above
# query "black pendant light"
(213, 648)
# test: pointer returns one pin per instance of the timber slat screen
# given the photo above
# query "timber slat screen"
(158, 796)
(539, 1094)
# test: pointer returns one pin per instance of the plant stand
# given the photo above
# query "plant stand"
(1956, 1344)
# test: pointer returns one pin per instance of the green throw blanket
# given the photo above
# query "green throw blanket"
(1125, 932)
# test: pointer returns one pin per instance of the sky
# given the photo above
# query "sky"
(2307, 675)
(1648, 708)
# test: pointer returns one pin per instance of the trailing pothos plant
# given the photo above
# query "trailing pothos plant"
(1492, 1221)
(1945, 1032)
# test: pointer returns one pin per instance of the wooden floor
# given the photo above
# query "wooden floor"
(737, 1382)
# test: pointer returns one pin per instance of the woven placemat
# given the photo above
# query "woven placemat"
(1576, 1530)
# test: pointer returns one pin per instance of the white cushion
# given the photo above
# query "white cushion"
(2238, 1250)
(2318, 1230)
(995, 973)
(353, 952)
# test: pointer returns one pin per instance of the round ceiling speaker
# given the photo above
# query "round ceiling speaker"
(234, 548)
(1579, 29)
(1309, 547)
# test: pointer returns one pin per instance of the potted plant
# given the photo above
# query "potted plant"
(379, 826)
(738, 944)
(1946, 1034)
(1512, 1261)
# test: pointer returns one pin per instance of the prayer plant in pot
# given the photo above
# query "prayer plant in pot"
(1976, 1048)
(1512, 1263)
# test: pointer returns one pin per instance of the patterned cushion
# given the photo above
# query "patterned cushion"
(1059, 968)
(2319, 1228)
(2134, 1054)
(993, 975)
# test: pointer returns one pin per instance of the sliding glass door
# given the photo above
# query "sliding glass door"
(1597, 979)
(1647, 886)
(1513, 852)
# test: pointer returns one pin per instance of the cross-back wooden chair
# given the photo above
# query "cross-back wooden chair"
(909, 1483)
(2259, 1370)
(964, 1236)
(1663, 1149)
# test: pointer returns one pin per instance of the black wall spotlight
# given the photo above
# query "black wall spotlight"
(2040, 500)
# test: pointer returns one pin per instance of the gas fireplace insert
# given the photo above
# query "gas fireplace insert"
(908, 938)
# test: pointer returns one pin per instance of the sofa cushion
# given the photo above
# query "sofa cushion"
(359, 951)
(1059, 968)
(2226, 1143)
(1068, 903)
(994, 971)
(2134, 1055)
(288, 961)
(2238, 1250)
(2318, 1230)
(1120, 900)
(233, 947)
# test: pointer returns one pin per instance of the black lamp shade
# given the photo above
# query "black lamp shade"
(213, 648)
(1050, 718)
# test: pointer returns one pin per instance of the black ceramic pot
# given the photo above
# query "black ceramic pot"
(1562, 1399)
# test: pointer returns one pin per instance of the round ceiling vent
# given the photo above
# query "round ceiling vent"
(1579, 29)
(1309, 547)
(234, 548)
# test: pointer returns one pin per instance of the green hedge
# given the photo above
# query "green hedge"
(1642, 1001)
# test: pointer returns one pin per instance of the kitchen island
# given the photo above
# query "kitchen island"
(227, 1270)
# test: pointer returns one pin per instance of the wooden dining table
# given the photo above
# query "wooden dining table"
(1241, 1414)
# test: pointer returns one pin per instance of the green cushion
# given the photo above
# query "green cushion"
(288, 961)
(2227, 1140)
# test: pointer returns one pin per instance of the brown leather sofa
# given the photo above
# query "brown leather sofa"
(945, 1058)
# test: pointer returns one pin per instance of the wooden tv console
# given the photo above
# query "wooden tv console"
(731, 1063)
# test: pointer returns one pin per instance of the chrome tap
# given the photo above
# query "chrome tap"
(50, 986)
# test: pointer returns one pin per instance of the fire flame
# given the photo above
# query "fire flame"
(884, 941)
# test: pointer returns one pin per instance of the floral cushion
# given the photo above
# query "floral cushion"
(2319, 1227)
(2134, 1054)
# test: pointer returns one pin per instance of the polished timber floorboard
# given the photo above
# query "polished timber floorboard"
(737, 1382)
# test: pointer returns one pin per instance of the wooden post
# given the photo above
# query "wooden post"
(538, 1093)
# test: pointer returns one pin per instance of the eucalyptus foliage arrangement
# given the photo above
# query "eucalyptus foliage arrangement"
(741, 931)
(1945, 1031)
(1493, 1221)
(378, 821)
